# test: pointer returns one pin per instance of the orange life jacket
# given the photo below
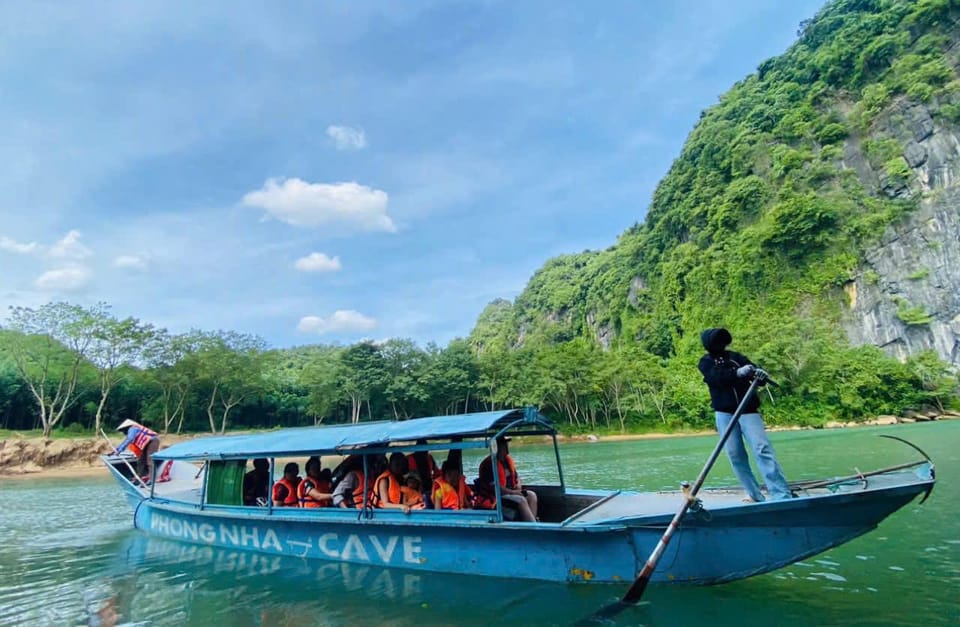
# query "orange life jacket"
(393, 489)
(410, 496)
(291, 499)
(360, 489)
(450, 497)
(319, 485)
(141, 440)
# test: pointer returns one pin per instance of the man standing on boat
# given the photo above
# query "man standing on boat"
(727, 374)
(143, 442)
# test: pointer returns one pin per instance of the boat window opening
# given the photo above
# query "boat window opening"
(225, 482)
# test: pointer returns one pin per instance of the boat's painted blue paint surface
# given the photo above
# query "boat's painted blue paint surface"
(710, 547)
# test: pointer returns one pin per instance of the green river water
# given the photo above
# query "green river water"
(69, 556)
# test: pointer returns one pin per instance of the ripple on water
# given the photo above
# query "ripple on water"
(831, 576)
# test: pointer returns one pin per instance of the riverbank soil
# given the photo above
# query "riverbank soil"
(29, 456)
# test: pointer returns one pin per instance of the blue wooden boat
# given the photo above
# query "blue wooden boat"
(582, 536)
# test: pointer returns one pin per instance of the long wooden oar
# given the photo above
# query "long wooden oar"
(635, 592)
(133, 473)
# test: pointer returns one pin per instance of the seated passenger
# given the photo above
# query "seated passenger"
(411, 492)
(315, 490)
(285, 490)
(450, 490)
(423, 463)
(351, 488)
(386, 488)
(256, 483)
(511, 490)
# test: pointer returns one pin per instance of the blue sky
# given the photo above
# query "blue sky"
(326, 172)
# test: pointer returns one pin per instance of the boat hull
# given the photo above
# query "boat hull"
(711, 546)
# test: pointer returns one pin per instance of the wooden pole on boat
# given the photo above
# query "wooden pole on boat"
(133, 472)
(635, 592)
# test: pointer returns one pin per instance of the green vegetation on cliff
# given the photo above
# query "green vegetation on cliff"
(759, 223)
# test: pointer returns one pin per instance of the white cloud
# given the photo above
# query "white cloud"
(69, 247)
(134, 262)
(300, 203)
(341, 320)
(66, 279)
(14, 246)
(317, 262)
(347, 138)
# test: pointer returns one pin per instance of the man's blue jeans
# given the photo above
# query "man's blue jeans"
(751, 427)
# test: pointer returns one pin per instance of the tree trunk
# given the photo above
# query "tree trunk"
(104, 393)
(213, 398)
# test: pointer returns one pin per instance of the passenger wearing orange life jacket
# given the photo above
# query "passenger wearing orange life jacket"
(352, 488)
(423, 463)
(143, 442)
(285, 490)
(450, 490)
(411, 492)
(315, 490)
(386, 493)
(511, 490)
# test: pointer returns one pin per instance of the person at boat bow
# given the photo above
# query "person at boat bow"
(727, 374)
(285, 490)
(511, 490)
(315, 489)
(143, 442)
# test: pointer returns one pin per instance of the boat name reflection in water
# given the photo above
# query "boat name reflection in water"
(353, 547)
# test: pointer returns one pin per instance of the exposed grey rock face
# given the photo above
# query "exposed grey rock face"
(906, 298)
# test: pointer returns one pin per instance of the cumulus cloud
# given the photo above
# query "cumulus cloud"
(301, 203)
(347, 138)
(133, 262)
(13, 246)
(69, 247)
(317, 262)
(342, 320)
(66, 279)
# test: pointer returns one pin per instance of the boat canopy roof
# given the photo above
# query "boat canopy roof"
(344, 438)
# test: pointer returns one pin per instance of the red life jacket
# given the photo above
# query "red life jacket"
(393, 490)
(511, 480)
(319, 485)
(485, 491)
(291, 499)
(141, 440)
